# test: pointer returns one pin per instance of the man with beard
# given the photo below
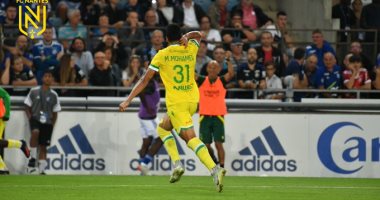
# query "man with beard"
(250, 75)
(46, 54)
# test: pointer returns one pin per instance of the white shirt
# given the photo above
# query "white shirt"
(273, 83)
(213, 36)
(190, 19)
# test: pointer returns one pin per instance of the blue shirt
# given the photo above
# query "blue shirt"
(67, 32)
(45, 57)
(295, 68)
(312, 49)
(330, 80)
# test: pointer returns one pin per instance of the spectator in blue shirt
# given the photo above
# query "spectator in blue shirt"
(295, 77)
(319, 47)
(330, 77)
(46, 54)
(74, 28)
(311, 70)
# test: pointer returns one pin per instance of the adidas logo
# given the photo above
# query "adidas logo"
(161, 161)
(264, 160)
(74, 152)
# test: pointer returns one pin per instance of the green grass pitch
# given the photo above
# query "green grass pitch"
(16, 187)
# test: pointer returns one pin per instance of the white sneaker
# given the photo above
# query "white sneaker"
(218, 178)
(144, 170)
(177, 173)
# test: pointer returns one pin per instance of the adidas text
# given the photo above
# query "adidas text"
(265, 164)
(76, 162)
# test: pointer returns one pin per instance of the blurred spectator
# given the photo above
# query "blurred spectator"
(295, 71)
(272, 82)
(202, 58)
(356, 77)
(191, 14)
(205, 4)
(370, 19)
(281, 35)
(236, 29)
(295, 77)
(71, 4)
(311, 70)
(116, 14)
(110, 40)
(90, 11)
(9, 23)
(46, 54)
(209, 34)
(268, 53)
(346, 15)
(252, 15)
(219, 55)
(319, 47)
(329, 77)
(116, 72)
(356, 49)
(101, 75)
(238, 55)
(22, 49)
(219, 14)
(61, 15)
(357, 6)
(131, 34)
(138, 6)
(69, 74)
(150, 23)
(150, 50)
(104, 27)
(74, 28)
(82, 57)
(18, 75)
(10, 15)
(133, 72)
(166, 13)
(251, 75)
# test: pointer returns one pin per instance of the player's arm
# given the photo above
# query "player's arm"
(195, 35)
(140, 85)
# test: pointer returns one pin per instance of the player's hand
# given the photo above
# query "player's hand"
(184, 41)
(123, 106)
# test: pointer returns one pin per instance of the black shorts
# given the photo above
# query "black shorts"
(45, 131)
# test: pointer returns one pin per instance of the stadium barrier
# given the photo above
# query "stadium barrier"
(258, 143)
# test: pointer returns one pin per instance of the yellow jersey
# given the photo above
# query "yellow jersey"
(176, 65)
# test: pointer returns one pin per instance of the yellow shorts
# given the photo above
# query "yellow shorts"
(2, 127)
(180, 115)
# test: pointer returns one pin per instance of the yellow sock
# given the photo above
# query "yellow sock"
(169, 143)
(2, 164)
(201, 151)
(14, 143)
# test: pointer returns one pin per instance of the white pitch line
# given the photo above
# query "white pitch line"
(186, 186)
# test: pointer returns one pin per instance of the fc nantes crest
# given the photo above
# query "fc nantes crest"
(32, 18)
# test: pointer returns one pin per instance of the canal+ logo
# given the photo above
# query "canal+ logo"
(74, 152)
(264, 161)
(161, 161)
(354, 154)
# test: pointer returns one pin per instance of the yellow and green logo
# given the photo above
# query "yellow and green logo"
(32, 22)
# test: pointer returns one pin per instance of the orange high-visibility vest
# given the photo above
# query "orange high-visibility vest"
(212, 98)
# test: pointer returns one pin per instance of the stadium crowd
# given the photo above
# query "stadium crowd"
(111, 42)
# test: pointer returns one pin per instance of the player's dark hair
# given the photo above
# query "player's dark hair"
(299, 53)
(173, 32)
